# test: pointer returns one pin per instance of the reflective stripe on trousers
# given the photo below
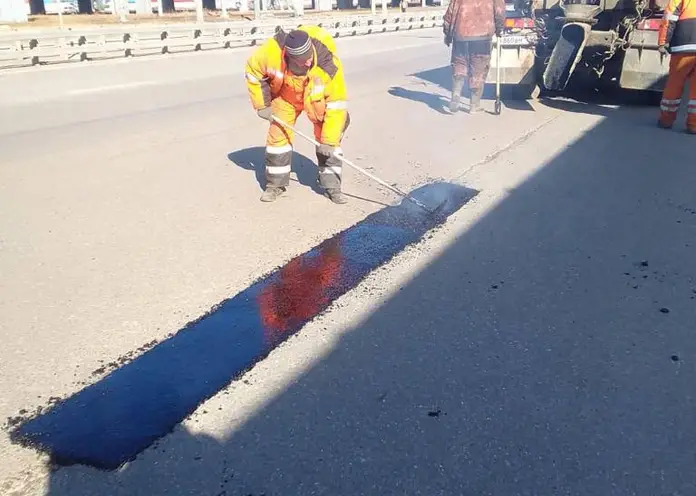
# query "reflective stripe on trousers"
(682, 71)
(278, 165)
(330, 171)
(691, 107)
(670, 105)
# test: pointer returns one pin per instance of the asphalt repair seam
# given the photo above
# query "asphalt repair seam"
(111, 421)
(499, 151)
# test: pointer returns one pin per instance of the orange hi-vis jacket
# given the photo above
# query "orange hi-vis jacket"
(678, 28)
(324, 97)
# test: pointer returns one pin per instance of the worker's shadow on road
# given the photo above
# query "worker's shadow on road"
(513, 98)
(435, 102)
(252, 159)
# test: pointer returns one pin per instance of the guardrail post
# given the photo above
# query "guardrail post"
(164, 36)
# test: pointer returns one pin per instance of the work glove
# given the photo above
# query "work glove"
(663, 49)
(326, 150)
(265, 113)
(448, 40)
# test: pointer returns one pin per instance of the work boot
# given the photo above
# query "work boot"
(336, 196)
(475, 105)
(457, 85)
(663, 125)
(271, 194)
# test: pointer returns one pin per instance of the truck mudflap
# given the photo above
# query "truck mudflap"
(565, 55)
(644, 67)
(516, 61)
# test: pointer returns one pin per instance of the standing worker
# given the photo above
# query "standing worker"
(289, 73)
(469, 26)
(678, 31)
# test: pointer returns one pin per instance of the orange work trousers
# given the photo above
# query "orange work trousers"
(682, 70)
(279, 136)
(279, 149)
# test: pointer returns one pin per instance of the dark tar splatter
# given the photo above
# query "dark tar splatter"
(675, 358)
(108, 423)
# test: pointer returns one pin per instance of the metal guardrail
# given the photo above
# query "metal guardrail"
(26, 49)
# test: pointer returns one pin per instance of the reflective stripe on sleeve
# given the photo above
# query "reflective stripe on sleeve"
(683, 48)
(338, 104)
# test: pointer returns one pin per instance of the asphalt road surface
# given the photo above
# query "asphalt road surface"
(540, 343)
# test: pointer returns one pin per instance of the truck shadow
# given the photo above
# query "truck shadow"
(514, 362)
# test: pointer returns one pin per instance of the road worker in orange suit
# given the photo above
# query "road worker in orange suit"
(678, 37)
(289, 73)
(302, 289)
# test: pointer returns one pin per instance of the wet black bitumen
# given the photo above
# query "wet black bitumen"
(109, 422)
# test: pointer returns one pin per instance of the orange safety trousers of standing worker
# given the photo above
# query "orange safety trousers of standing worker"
(682, 70)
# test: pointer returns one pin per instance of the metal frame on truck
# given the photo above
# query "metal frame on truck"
(591, 44)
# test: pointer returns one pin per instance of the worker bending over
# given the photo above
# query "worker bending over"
(469, 26)
(678, 31)
(289, 73)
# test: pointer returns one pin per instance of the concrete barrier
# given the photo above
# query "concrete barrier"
(21, 49)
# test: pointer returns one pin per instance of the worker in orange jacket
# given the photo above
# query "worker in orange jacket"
(301, 290)
(678, 37)
(290, 73)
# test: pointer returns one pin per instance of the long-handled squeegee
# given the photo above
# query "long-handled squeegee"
(361, 170)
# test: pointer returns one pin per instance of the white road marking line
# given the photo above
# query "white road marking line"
(123, 86)
(391, 49)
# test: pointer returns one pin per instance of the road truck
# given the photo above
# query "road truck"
(557, 45)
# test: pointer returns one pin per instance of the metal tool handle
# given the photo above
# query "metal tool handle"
(498, 56)
(351, 164)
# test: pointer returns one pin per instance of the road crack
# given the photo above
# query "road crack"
(504, 149)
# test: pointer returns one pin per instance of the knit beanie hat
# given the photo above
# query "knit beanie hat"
(298, 45)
